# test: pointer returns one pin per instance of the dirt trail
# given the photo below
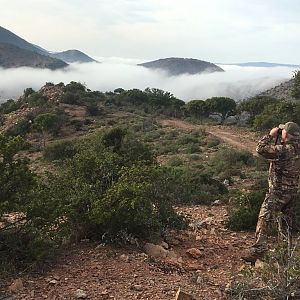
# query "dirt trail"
(237, 138)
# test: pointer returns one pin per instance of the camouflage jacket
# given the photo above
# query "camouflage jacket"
(284, 165)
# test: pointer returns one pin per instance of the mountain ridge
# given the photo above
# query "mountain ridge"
(261, 64)
(72, 56)
(12, 56)
(68, 56)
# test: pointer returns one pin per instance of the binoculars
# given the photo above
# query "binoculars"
(279, 132)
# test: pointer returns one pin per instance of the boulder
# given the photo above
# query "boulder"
(80, 294)
(155, 251)
(181, 295)
(17, 286)
(194, 253)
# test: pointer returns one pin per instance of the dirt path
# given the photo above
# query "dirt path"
(238, 138)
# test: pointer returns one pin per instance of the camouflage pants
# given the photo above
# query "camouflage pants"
(275, 209)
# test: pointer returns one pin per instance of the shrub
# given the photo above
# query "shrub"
(28, 92)
(244, 211)
(70, 98)
(193, 148)
(49, 122)
(60, 150)
(21, 128)
(2, 119)
(189, 185)
(136, 205)
(212, 142)
(175, 161)
(16, 179)
(37, 100)
(9, 106)
(228, 162)
(93, 109)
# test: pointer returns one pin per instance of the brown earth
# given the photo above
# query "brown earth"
(103, 272)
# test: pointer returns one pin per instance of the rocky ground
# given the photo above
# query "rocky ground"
(202, 261)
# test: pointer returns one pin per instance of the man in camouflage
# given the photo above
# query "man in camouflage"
(283, 183)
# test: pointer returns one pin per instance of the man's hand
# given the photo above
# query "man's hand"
(274, 132)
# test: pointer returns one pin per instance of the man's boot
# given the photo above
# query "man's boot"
(254, 253)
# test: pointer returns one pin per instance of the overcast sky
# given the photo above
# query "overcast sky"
(213, 30)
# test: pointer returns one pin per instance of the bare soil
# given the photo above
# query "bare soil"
(103, 273)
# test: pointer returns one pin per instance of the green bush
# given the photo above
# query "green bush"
(189, 185)
(60, 150)
(136, 205)
(229, 162)
(9, 106)
(70, 98)
(175, 161)
(193, 148)
(244, 211)
(17, 183)
(212, 142)
(21, 128)
(93, 109)
(36, 100)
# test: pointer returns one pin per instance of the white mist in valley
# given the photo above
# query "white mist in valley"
(236, 82)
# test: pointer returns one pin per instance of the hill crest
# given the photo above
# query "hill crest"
(178, 66)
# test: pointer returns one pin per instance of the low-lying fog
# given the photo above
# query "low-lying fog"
(237, 82)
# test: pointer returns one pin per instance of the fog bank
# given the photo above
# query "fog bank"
(237, 82)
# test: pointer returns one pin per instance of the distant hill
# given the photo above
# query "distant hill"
(281, 91)
(12, 56)
(263, 65)
(71, 56)
(177, 66)
(9, 37)
(68, 56)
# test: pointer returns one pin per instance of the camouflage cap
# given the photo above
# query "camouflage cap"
(291, 128)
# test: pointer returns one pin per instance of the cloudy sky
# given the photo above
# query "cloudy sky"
(215, 30)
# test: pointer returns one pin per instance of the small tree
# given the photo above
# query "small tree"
(16, 179)
(45, 123)
(222, 106)
(197, 108)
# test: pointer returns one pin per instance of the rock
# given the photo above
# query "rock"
(226, 182)
(216, 203)
(199, 280)
(194, 253)
(180, 295)
(53, 281)
(56, 277)
(192, 267)
(172, 241)
(171, 255)
(164, 245)
(124, 258)
(80, 294)
(259, 264)
(16, 286)
(137, 287)
(155, 251)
